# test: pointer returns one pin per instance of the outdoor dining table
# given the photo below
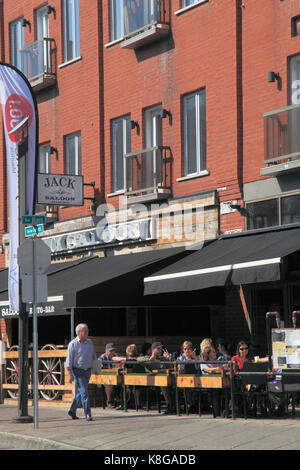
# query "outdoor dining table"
(203, 383)
(155, 378)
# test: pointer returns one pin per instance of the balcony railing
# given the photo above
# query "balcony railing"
(148, 174)
(38, 63)
(144, 21)
(282, 140)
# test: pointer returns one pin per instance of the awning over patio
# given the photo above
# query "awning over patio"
(246, 258)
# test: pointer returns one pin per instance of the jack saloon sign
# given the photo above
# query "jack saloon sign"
(59, 190)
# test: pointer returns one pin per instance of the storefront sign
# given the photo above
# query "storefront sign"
(59, 190)
(52, 307)
(128, 232)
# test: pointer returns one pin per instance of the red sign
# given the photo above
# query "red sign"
(16, 109)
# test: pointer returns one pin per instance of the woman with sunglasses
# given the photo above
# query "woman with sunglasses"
(188, 355)
(242, 355)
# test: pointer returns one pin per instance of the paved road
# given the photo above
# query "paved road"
(116, 430)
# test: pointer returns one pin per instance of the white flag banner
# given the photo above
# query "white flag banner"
(20, 116)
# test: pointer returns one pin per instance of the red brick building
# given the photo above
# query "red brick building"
(180, 88)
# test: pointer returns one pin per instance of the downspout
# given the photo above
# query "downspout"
(239, 94)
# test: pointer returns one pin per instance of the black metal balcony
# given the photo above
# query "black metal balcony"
(38, 63)
(282, 141)
(148, 174)
(144, 22)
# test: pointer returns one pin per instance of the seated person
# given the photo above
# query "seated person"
(187, 355)
(157, 355)
(242, 355)
(222, 353)
(112, 357)
(205, 343)
(146, 349)
(131, 356)
(209, 354)
(131, 353)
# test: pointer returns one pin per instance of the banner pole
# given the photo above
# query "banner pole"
(23, 416)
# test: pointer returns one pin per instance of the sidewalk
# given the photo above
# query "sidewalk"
(116, 430)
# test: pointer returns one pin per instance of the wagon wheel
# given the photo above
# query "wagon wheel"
(12, 373)
(50, 373)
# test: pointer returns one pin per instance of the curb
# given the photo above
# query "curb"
(19, 442)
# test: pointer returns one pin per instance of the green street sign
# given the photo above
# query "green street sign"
(34, 230)
(33, 219)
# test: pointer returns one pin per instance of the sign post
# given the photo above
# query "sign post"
(34, 257)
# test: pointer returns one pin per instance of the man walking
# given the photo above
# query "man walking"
(80, 355)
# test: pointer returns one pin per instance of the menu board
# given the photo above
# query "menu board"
(286, 348)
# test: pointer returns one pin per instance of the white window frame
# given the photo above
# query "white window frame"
(75, 30)
(15, 41)
(125, 120)
(200, 162)
(78, 167)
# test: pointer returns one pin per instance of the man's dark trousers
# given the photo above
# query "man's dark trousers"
(81, 378)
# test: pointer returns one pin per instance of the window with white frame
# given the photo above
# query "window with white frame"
(45, 158)
(16, 42)
(73, 154)
(129, 16)
(194, 133)
(121, 136)
(71, 36)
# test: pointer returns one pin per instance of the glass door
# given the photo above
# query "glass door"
(154, 139)
(42, 32)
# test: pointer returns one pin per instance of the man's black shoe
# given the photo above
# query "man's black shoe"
(73, 415)
(89, 418)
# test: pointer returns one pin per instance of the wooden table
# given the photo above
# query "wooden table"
(107, 377)
(159, 378)
(206, 382)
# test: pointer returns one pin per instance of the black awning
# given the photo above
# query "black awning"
(244, 259)
(93, 271)
(66, 280)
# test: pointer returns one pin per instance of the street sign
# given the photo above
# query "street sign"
(37, 229)
(42, 258)
(34, 288)
(33, 219)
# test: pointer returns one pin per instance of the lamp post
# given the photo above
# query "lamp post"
(23, 416)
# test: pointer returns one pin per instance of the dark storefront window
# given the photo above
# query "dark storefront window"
(290, 209)
(262, 214)
(283, 210)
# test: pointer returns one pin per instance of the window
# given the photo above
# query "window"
(116, 19)
(296, 26)
(295, 79)
(290, 209)
(194, 133)
(262, 214)
(73, 154)
(42, 31)
(16, 42)
(45, 158)
(282, 210)
(129, 16)
(71, 29)
(121, 136)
